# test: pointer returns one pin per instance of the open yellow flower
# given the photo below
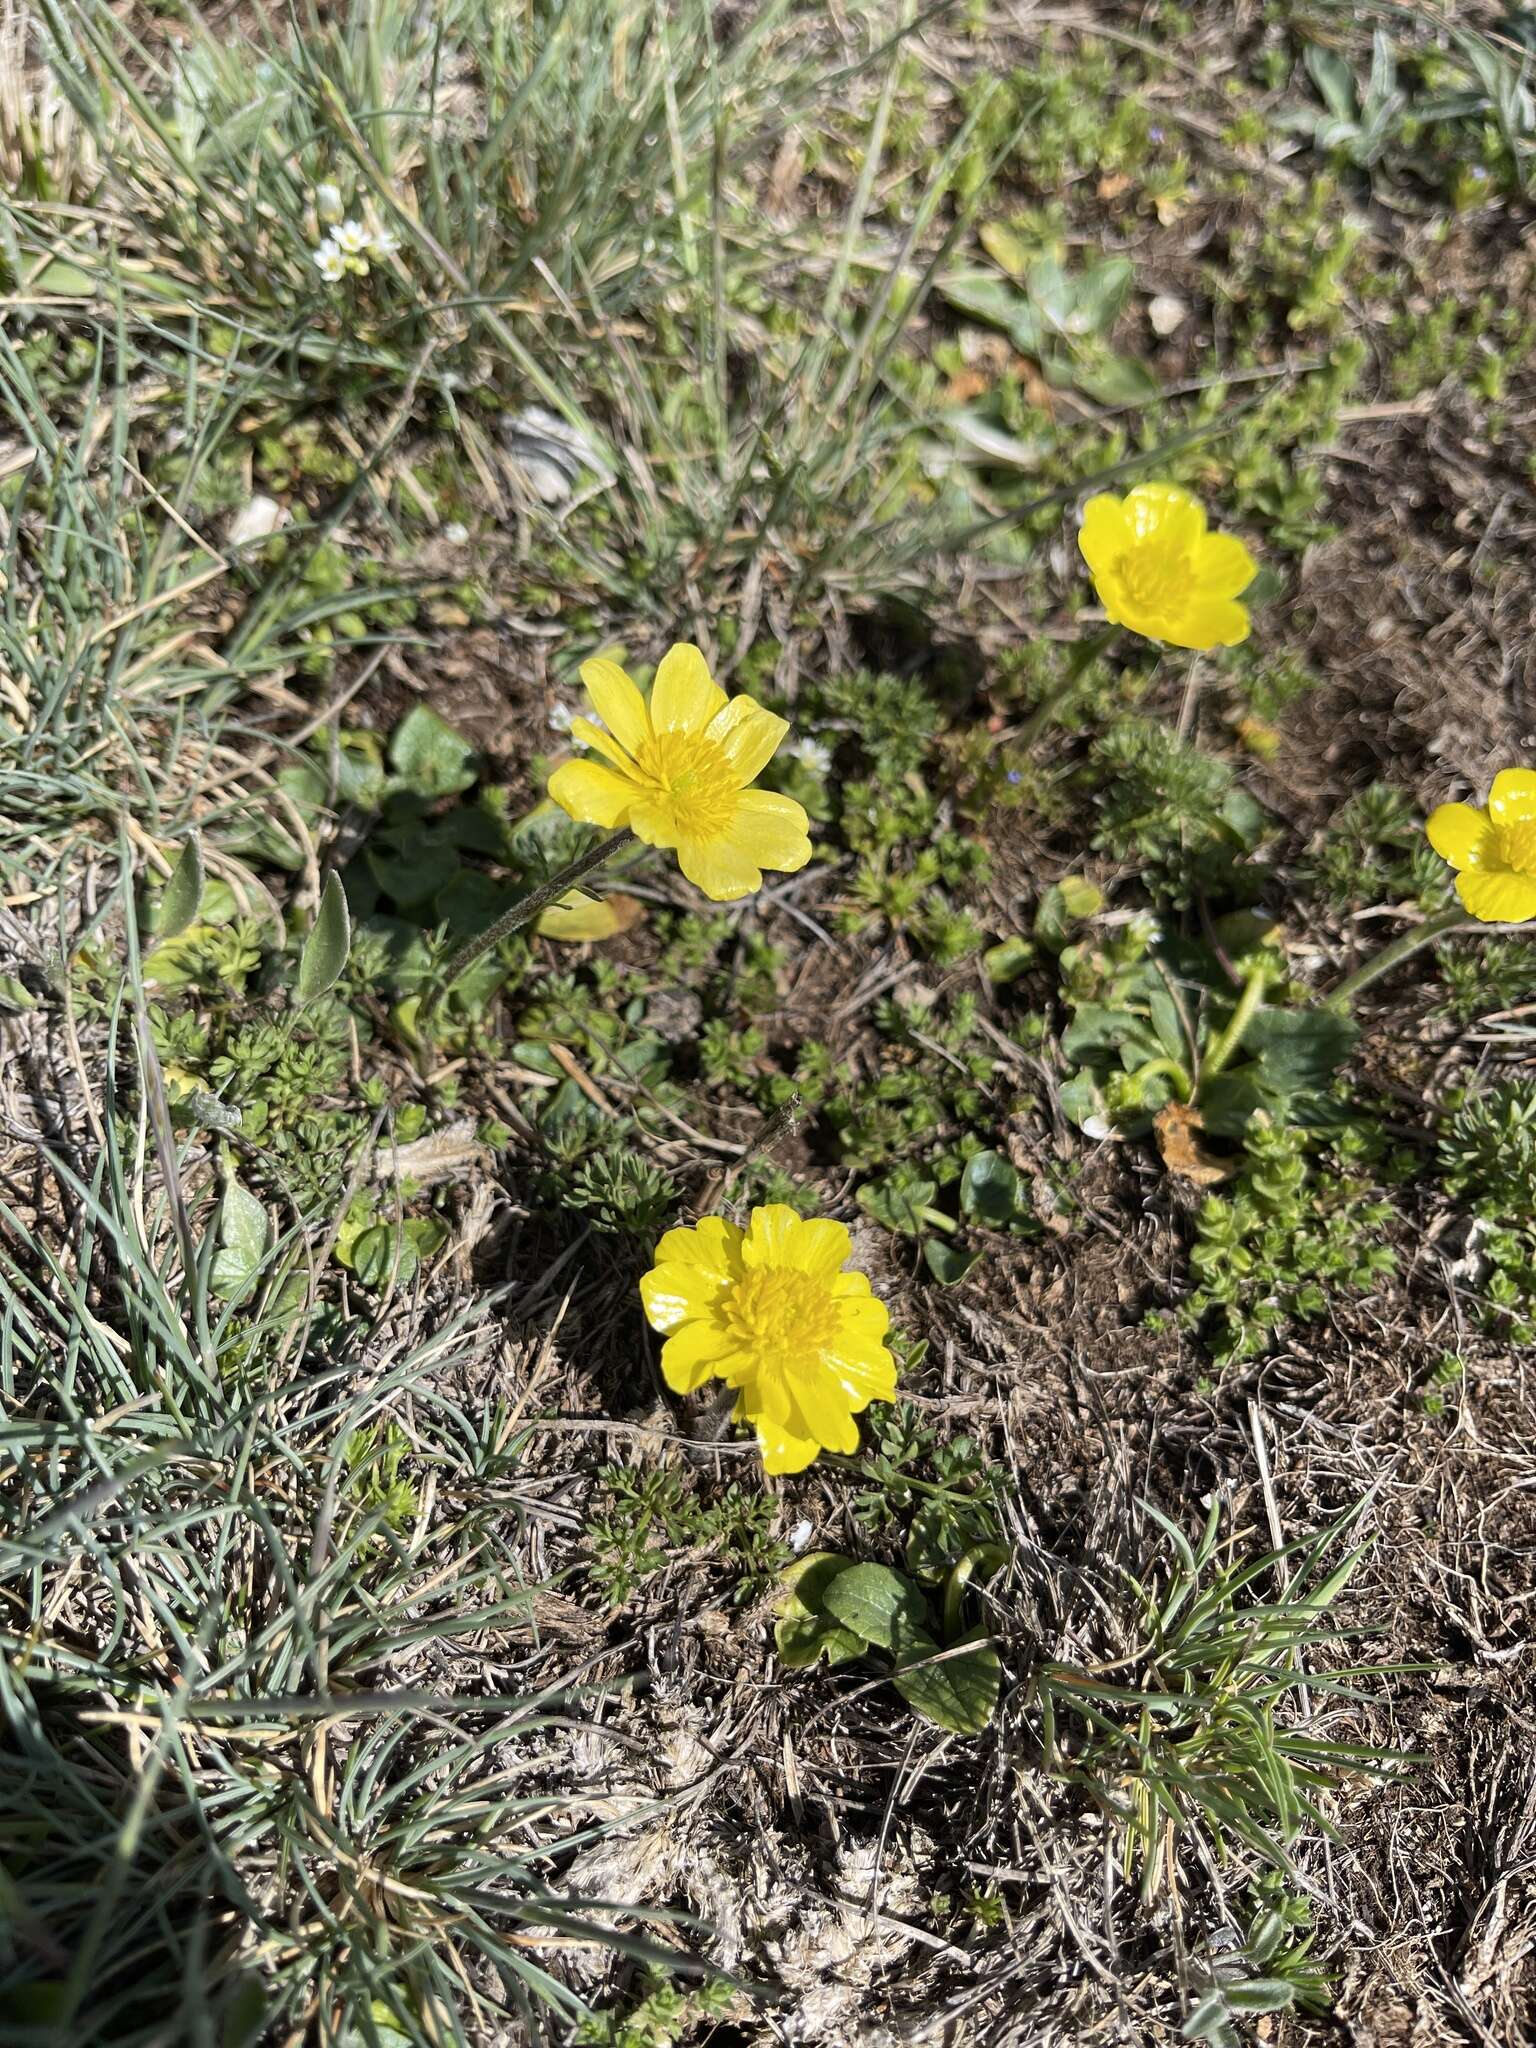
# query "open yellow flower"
(679, 772)
(1159, 571)
(770, 1311)
(1494, 850)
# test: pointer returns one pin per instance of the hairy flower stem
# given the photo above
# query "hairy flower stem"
(1079, 662)
(1425, 934)
(1171, 1070)
(524, 911)
(1229, 1040)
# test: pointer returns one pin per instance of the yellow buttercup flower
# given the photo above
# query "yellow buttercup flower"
(681, 766)
(1494, 850)
(1159, 571)
(770, 1311)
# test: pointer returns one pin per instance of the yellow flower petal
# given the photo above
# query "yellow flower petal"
(1207, 622)
(1512, 799)
(863, 1375)
(1167, 510)
(692, 1355)
(779, 1237)
(617, 702)
(1223, 566)
(684, 696)
(592, 795)
(773, 1232)
(722, 871)
(773, 829)
(865, 1321)
(749, 735)
(712, 1242)
(602, 743)
(1460, 834)
(824, 1405)
(781, 1451)
(1497, 895)
(674, 1295)
(1105, 533)
(579, 918)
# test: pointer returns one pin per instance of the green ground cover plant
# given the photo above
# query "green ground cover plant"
(764, 866)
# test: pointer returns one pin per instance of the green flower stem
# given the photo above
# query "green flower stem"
(985, 1558)
(1425, 934)
(1177, 1073)
(1228, 1041)
(1083, 656)
(524, 911)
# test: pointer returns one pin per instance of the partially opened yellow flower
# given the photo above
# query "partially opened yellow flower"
(770, 1311)
(681, 766)
(1159, 571)
(1493, 851)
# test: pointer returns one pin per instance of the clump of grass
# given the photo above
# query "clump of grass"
(1194, 1736)
(258, 1555)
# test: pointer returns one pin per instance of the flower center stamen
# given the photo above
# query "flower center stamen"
(775, 1309)
(693, 775)
(1153, 579)
(1517, 846)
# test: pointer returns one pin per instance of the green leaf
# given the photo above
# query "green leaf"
(959, 1693)
(411, 879)
(1007, 960)
(15, 995)
(1299, 1051)
(1260, 1994)
(875, 1604)
(989, 1191)
(245, 2012)
(1168, 1024)
(1334, 80)
(1100, 295)
(804, 1631)
(182, 896)
(803, 1639)
(380, 1254)
(1064, 904)
(980, 296)
(938, 1533)
(329, 942)
(1008, 250)
(429, 757)
(899, 1200)
(948, 1263)
(242, 1240)
(1117, 380)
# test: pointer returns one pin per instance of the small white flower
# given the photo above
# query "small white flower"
(328, 203)
(381, 243)
(330, 262)
(816, 756)
(456, 532)
(351, 238)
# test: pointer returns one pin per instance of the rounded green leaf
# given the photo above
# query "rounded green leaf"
(875, 1603)
(183, 893)
(989, 1190)
(329, 942)
(957, 1690)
